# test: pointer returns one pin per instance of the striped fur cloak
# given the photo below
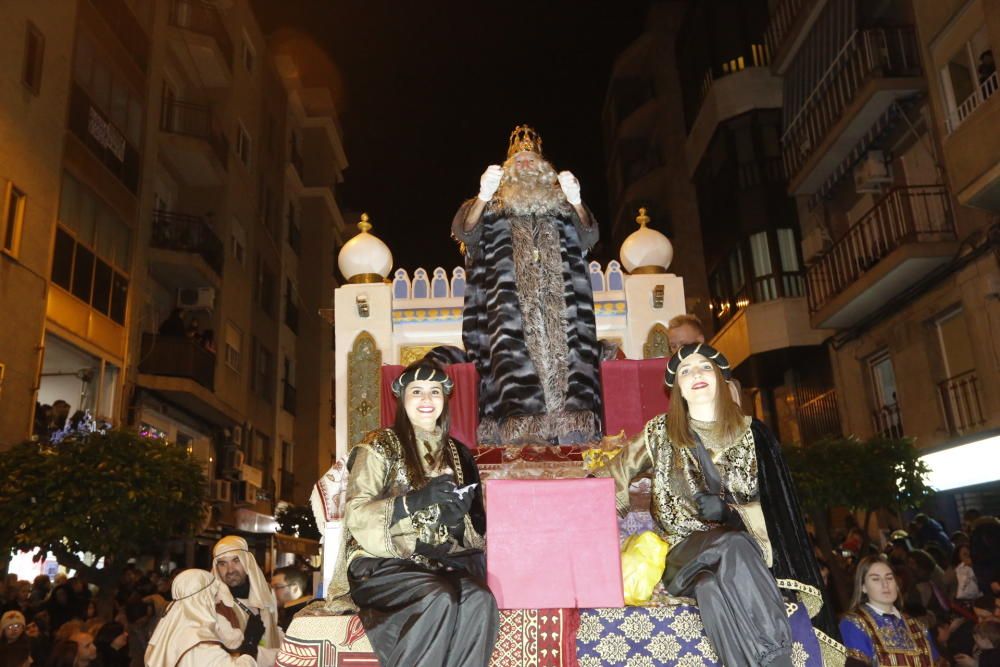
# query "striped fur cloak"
(529, 326)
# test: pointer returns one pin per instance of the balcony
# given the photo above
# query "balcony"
(103, 139)
(123, 23)
(818, 417)
(787, 28)
(759, 328)
(194, 143)
(887, 422)
(972, 147)
(963, 408)
(199, 40)
(178, 241)
(873, 70)
(177, 356)
(906, 235)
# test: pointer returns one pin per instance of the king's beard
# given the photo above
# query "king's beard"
(532, 191)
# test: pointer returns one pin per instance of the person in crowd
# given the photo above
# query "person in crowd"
(926, 530)
(987, 652)
(16, 656)
(984, 545)
(684, 329)
(59, 415)
(193, 634)
(111, 641)
(247, 595)
(19, 599)
(967, 589)
(13, 629)
(528, 322)
(174, 324)
(41, 588)
(725, 501)
(290, 585)
(208, 339)
(194, 330)
(61, 606)
(875, 631)
(86, 652)
(63, 654)
(411, 558)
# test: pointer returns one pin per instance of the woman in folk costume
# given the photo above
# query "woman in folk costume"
(724, 500)
(192, 634)
(412, 559)
(875, 631)
(246, 595)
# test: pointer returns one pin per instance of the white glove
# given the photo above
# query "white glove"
(570, 187)
(490, 181)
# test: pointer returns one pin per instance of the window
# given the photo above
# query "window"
(968, 78)
(34, 52)
(764, 286)
(13, 219)
(93, 250)
(288, 386)
(294, 232)
(886, 415)
(258, 450)
(249, 55)
(108, 90)
(234, 346)
(265, 287)
(238, 242)
(953, 336)
(291, 306)
(243, 144)
(263, 377)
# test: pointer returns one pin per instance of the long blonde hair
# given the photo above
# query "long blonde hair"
(730, 422)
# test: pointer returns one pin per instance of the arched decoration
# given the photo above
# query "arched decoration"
(458, 283)
(439, 284)
(364, 363)
(657, 343)
(421, 289)
(596, 277)
(401, 285)
(615, 279)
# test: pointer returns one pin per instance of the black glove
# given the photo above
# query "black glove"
(711, 507)
(252, 635)
(455, 509)
(432, 551)
(437, 490)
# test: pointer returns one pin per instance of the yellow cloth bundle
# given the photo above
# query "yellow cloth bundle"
(644, 557)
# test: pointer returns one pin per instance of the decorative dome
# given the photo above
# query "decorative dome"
(646, 250)
(365, 258)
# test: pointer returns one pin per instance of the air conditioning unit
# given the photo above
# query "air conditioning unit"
(246, 493)
(221, 491)
(232, 462)
(196, 298)
(872, 173)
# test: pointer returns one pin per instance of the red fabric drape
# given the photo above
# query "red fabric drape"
(633, 393)
(463, 403)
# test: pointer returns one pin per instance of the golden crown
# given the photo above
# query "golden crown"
(524, 138)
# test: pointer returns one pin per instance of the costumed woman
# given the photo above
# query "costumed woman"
(192, 634)
(412, 558)
(875, 631)
(724, 500)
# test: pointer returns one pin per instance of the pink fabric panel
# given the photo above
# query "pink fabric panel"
(464, 401)
(633, 393)
(553, 543)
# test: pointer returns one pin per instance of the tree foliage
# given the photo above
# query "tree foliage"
(298, 521)
(880, 473)
(112, 493)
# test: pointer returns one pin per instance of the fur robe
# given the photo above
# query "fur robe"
(529, 325)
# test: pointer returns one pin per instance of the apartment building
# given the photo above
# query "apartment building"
(889, 153)
(644, 137)
(164, 266)
(749, 225)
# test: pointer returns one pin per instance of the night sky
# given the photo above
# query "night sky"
(428, 92)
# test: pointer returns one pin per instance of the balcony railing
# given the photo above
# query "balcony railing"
(203, 18)
(867, 55)
(917, 214)
(887, 421)
(780, 22)
(983, 92)
(963, 408)
(288, 397)
(177, 356)
(129, 31)
(188, 233)
(104, 140)
(752, 55)
(818, 417)
(195, 120)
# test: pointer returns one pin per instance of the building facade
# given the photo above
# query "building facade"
(164, 261)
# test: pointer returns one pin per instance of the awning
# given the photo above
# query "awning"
(299, 546)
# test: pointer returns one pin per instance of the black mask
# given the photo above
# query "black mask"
(242, 591)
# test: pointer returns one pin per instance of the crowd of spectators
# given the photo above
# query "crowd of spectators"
(950, 583)
(64, 622)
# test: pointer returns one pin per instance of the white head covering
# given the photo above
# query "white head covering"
(190, 620)
(261, 595)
